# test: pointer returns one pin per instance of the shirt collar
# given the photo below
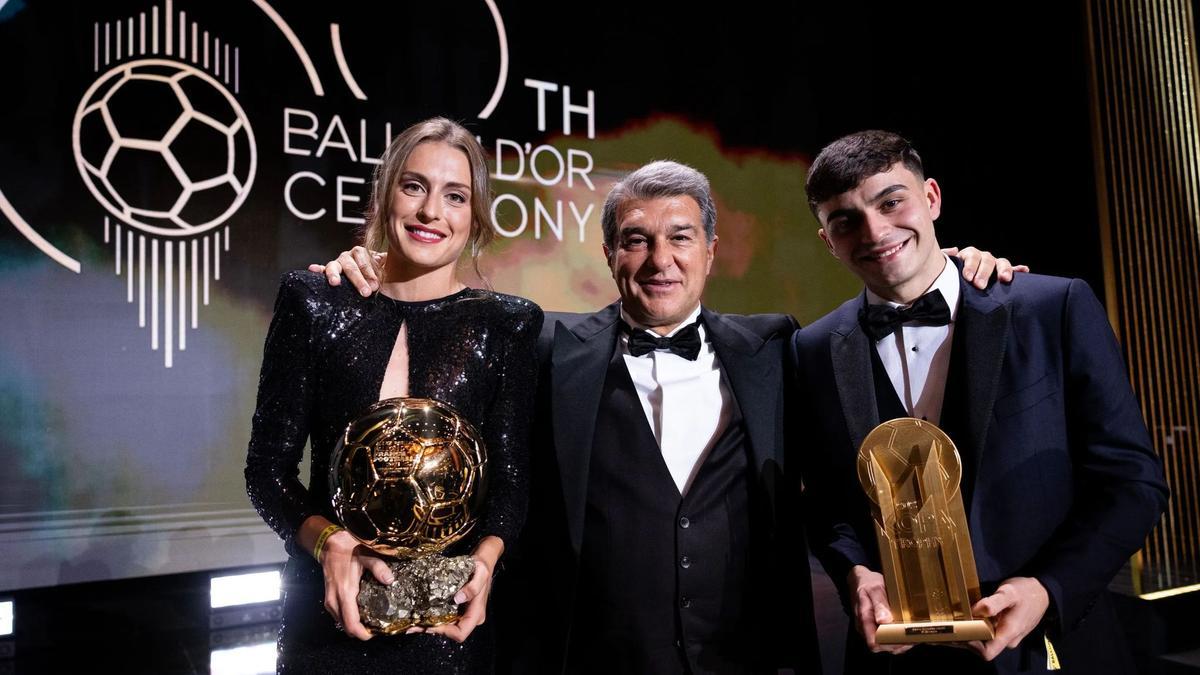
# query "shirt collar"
(946, 282)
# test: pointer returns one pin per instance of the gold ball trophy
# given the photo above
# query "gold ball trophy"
(911, 472)
(407, 479)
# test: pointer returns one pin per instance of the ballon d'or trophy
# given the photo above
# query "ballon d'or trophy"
(911, 472)
(407, 479)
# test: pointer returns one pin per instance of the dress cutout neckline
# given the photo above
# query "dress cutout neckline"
(417, 304)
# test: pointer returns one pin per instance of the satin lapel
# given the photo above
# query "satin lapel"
(986, 324)
(752, 380)
(577, 370)
(850, 356)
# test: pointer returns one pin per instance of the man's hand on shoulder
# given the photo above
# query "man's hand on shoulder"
(979, 265)
(363, 269)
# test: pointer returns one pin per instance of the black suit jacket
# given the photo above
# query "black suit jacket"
(1066, 485)
(574, 352)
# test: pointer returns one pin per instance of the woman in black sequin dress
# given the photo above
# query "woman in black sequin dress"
(331, 353)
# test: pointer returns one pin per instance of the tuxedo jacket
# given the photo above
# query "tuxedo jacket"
(575, 351)
(1063, 483)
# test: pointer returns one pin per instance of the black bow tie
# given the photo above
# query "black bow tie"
(880, 321)
(685, 343)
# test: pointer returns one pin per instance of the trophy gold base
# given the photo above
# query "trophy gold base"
(933, 631)
(421, 595)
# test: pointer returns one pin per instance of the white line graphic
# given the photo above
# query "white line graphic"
(36, 239)
(295, 41)
(129, 266)
(206, 271)
(141, 281)
(168, 296)
(194, 275)
(503, 77)
(335, 35)
(154, 294)
(182, 296)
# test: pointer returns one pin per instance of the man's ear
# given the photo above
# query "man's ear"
(825, 238)
(933, 194)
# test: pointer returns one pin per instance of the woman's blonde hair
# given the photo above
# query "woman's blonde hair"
(387, 173)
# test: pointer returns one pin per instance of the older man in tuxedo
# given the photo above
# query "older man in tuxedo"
(670, 518)
(662, 535)
(1059, 480)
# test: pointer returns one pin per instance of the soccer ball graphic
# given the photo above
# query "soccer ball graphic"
(164, 147)
(407, 477)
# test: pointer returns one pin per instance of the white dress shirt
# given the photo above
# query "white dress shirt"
(917, 358)
(687, 403)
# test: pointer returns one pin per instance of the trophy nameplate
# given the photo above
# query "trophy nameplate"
(911, 471)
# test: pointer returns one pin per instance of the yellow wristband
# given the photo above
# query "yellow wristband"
(326, 533)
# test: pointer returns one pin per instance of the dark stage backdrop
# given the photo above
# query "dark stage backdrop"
(162, 163)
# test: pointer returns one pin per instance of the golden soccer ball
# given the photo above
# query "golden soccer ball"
(407, 478)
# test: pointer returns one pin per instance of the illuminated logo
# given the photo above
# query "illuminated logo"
(164, 146)
(154, 116)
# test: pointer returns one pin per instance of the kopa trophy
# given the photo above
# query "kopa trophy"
(911, 472)
(407, 479)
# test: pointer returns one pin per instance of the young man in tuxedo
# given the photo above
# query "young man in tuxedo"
(1059, 480)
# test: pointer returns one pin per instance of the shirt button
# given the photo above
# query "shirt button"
(684, 522)
(685, 562)
(685, 602)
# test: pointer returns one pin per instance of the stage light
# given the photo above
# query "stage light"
(6, 618)
(1169, 592)
(244, 589)
(248, 660)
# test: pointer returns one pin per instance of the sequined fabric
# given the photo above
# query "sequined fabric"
(324, 361)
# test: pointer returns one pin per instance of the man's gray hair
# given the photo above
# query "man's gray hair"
(663, 178)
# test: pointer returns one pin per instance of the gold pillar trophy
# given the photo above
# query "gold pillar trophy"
(911, 472)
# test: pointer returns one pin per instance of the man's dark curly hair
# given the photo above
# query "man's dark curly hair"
(851, 159)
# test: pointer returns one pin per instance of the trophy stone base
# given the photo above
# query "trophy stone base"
(933, 631)
(421, 595)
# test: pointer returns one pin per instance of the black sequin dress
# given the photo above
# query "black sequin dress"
(324, 361)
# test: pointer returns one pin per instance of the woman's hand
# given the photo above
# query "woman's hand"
(342, 561)
(475, 592)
